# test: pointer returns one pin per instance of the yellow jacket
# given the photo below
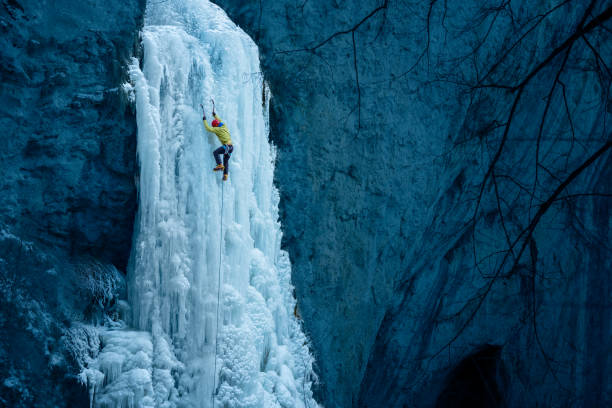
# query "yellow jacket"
(222, 132)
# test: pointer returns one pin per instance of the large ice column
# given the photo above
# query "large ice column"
(193, 228)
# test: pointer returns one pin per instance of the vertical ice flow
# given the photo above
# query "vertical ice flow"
(193, 52)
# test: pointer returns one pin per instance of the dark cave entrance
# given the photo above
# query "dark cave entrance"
(476, 382)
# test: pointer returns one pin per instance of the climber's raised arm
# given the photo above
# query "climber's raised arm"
(207, 126)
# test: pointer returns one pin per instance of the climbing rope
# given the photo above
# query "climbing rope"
(218, 299)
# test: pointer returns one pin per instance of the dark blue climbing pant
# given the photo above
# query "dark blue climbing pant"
(226, 151)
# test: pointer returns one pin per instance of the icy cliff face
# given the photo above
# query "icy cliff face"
(402, 219)
(209, 288)
(67, 194)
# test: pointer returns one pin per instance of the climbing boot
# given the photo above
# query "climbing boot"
(219, 167)
(224, 177)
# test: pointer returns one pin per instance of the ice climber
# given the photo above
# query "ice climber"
(223, 134)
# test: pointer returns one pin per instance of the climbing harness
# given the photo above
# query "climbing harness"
(218, 300)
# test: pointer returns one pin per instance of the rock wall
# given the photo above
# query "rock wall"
(67, 191)
(445, 177)
(69, 151)
(433, 163)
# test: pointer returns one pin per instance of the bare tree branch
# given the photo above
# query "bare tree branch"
(527, 233)
(339, 33)
(543, 120)
(357, 82)
(540, 18)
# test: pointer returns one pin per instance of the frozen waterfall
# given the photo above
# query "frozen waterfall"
(183, 238)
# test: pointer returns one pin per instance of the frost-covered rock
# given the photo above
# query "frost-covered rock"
(47, 352)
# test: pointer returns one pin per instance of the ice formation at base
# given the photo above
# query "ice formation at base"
(185, 235)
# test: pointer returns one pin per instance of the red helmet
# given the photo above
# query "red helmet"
(215, 122)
